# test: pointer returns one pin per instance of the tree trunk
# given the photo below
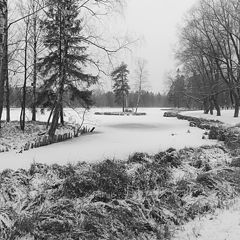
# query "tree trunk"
(138, 99)
(231, 97)
(3, 18)
(57, 110)
(2, 81)
(216, 105)
(5, 69)
(50, 115)
(123, 103)
(236, 106)
(206, 106)
(8, 110)
(211, 107)
(1, 92)
(236, 110)
(23, 110)
(62, 74)
(188, 103)
(62, 115)
(55, 119)
(34, 83)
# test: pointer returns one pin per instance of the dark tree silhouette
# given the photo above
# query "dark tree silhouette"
(121, 87)
(63, 66)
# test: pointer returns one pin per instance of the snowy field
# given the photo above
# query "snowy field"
(114, 137)
(224, 224)
(226, 116)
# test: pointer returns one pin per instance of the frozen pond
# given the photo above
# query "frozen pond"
(114, 137)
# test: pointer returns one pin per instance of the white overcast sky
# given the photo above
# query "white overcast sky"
(157, 21)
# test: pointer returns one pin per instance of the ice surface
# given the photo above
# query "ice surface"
(115, 137)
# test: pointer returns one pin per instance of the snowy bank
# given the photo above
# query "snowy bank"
(35, 135)
(226, 116)
(143, 197)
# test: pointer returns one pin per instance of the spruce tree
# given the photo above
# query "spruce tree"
(63, 66)
(120, 86)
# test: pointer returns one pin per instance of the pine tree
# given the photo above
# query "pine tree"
(121, 87)
(63, 66)
(177, 91)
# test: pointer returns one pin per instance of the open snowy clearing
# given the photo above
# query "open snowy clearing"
(227, 116)
(222, 225)
(115, 137)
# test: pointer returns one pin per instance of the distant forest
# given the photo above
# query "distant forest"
(100, 99)
(148, 99)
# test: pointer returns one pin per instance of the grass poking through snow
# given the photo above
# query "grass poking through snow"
(145, 197)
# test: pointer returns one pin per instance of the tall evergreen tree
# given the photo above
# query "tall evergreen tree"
(177, 91)
(121, 87)
(63, 66)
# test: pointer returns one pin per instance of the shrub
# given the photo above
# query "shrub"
(138, 158)
(151, 176)
(209, 180)
(112, 178)
(38, 168)
(79, 185)
(235, 162)
(64, 171)
(169, 158)
(120, 219)
(170, 114)
(23, 226)
(86, 201)
(56, 221)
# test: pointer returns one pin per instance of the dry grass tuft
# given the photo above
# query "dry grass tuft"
(136, 199)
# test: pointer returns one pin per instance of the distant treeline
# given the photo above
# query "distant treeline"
(148, 99)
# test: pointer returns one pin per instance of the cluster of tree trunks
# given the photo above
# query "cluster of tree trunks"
(209, 51)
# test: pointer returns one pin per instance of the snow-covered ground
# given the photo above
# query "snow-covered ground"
(222, 225)
(115, 137)
(226, 116)
(119, 136)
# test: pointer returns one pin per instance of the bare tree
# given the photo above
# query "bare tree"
(34, 43)
(28, 53)
(24, 89)
(3, 39)
(4, 70)
(141, 75)
(211, 40)
(219, 23)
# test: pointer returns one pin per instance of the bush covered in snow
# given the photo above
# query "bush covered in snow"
(170, 114)
(35, 135)
(142, 198)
